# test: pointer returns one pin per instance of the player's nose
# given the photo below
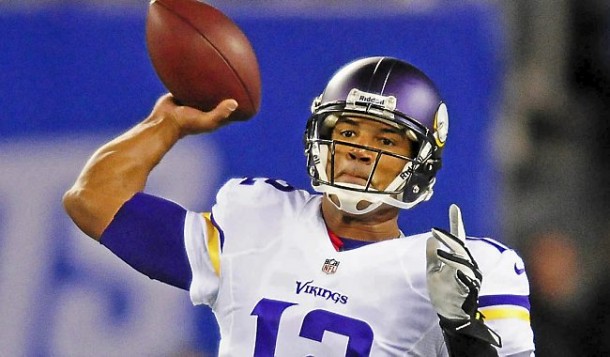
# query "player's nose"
(361, 154)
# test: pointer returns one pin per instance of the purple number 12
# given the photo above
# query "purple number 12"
(315, 323)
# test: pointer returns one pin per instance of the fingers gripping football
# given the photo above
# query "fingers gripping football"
(190, 120)
(454, 278)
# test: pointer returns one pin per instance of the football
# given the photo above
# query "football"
(202, 56)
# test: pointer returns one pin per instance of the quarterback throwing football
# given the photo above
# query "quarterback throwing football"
(290, 273)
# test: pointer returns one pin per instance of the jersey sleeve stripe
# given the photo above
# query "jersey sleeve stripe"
(221, 234)
(516, 300)
(499, 246)
(498, 313)
(213, 242)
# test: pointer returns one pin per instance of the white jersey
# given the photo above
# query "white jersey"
(264, 262)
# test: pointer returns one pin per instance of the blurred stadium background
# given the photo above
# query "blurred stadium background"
(528, 89)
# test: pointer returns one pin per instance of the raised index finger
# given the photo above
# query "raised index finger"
(456, 223)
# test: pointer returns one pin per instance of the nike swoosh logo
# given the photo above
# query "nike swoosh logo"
(518, 270)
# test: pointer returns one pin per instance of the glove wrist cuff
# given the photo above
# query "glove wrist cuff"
(474, 328)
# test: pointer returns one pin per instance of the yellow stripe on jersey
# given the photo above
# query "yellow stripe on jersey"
(213, 242)
(498, 313)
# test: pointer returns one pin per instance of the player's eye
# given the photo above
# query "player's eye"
(387, 142)
(347, 133)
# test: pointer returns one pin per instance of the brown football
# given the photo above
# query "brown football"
(202, 56)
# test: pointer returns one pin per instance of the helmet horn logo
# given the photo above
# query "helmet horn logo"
(441, 125)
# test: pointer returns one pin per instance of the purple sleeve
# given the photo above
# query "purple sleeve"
(148, 234)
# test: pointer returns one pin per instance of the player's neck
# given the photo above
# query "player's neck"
(381, 224)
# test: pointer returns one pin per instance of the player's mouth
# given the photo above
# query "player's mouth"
(353, 178)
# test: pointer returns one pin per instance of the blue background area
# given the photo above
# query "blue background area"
(72, 70)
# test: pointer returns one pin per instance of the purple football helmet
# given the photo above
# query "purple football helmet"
(395, 93)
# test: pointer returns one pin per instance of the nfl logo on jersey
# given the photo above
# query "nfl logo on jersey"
(330, 266)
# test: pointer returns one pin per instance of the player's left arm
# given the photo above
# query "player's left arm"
(454, 282)
(504, 295)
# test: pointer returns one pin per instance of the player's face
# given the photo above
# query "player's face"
(355, 164)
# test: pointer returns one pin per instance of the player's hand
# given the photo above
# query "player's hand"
(454, 280)
(190, 120)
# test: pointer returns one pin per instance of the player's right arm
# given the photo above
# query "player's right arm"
(120, 168)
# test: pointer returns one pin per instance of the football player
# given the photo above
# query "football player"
(291, 273)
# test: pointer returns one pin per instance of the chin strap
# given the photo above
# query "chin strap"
(348, 201)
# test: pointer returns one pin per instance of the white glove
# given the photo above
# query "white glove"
(454, 280)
